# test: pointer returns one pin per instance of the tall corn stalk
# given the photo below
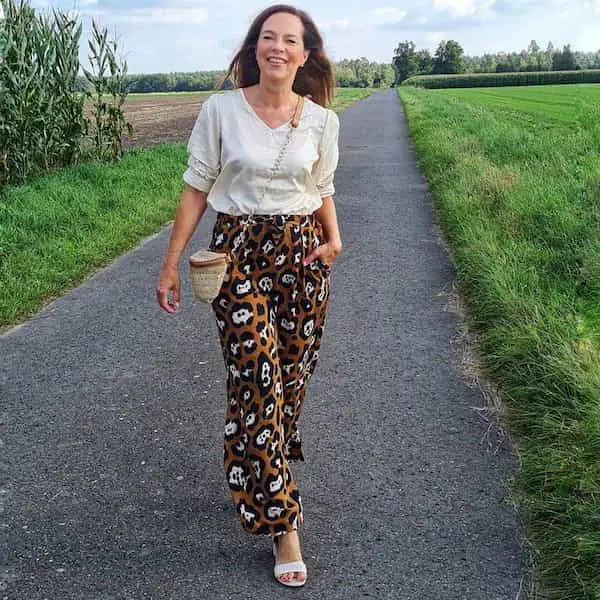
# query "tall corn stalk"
(70, 117)
(107, 95)
(41, 117)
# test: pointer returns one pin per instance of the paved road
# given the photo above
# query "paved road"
(112, 413)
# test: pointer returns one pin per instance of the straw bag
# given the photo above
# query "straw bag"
(208, 268)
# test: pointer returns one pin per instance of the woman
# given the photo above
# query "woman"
(277, 220)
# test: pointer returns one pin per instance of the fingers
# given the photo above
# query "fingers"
(318, 253)
(162, 296)
(311, 258)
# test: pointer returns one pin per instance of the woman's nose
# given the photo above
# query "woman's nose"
(277, 44)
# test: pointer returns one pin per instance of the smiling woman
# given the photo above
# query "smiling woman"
(264, 156)
(301, 44)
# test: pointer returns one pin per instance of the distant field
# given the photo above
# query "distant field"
(170, 117)
(141, 96)
(563, 104)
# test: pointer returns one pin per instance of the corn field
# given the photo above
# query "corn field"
(466, 80)
(43, 125)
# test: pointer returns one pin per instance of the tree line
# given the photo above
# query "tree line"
(358, 72)
(449, 58)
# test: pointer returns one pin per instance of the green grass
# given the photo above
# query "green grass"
(563, 104)
(346, 97)
(516, 185)
(56, 230)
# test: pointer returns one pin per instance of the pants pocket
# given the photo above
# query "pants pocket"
(324, 266)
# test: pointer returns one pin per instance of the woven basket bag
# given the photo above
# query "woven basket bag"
(207, 270)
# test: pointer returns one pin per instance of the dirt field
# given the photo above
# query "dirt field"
(170, 117)
(161, 118)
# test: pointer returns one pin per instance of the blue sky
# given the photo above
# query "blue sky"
(195, 35)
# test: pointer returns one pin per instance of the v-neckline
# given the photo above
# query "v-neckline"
(259, 119)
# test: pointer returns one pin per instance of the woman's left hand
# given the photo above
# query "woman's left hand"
(326, 253)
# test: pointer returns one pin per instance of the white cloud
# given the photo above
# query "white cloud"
(156, 32)
(163, 16)
(465, 8)
(387, 16)
(593, 5)
(333, 24)
(433, 39)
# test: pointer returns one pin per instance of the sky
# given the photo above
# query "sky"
(161, 36)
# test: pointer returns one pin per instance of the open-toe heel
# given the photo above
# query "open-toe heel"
(297, 566)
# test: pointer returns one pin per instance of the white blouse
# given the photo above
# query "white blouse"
(232, 152)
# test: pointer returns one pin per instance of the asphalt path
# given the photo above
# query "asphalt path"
(112, 415)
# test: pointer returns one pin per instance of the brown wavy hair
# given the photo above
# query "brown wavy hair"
(314, 79)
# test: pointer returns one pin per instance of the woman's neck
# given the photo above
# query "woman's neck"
(275, 96)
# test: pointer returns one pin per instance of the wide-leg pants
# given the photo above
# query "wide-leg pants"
(270, 315)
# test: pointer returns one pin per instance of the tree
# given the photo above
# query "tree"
(405, 61)
(344, 75)
(378, 77)
(533, 48)
(488, 63)
(424, 61)
(565, 60)
(449, 58)
(362, 69)
(532, 57)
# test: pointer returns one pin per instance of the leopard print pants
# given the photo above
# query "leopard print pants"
(270, 315)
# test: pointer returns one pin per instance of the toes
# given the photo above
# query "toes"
(287, 577)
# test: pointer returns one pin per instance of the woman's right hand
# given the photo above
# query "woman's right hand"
(168, 283)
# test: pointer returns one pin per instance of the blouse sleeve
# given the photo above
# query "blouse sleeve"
(204, 148)
(325, 166)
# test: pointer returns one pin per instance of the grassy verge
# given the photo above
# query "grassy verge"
(346, 97)
(56, 230)
(518, 201)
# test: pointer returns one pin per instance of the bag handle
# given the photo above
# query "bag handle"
(298, 112)
(294, 125)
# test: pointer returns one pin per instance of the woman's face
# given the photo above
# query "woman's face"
(280, 47)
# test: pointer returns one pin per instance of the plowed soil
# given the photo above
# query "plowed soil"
(155, 119)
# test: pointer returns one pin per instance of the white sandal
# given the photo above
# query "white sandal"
(291, 567)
